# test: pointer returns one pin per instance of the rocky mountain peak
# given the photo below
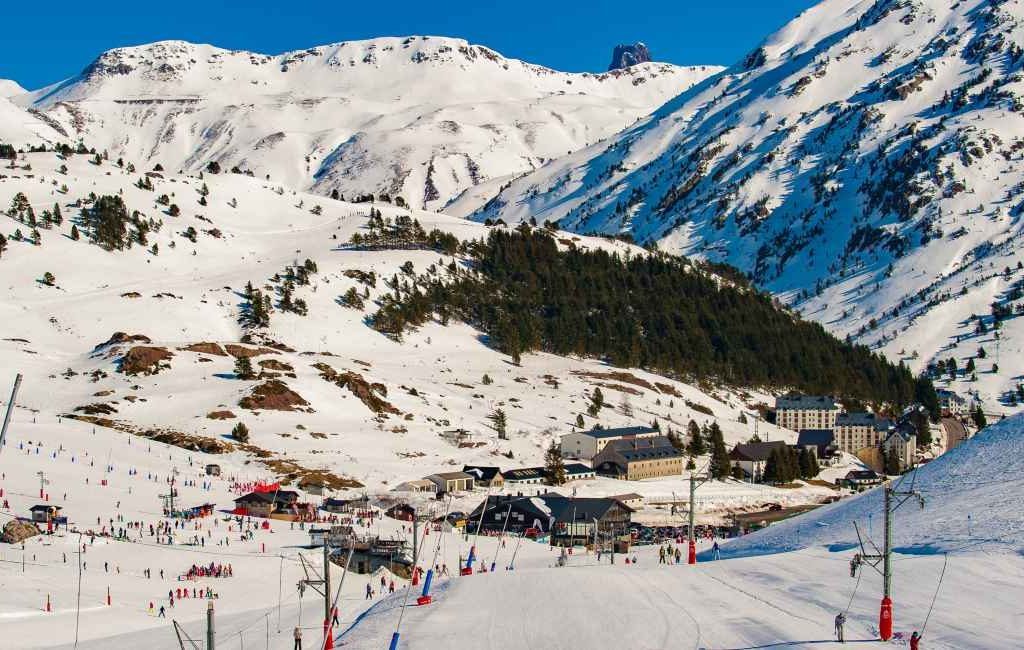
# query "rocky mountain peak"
(626, 55)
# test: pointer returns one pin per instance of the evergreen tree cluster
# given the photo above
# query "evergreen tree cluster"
(786, 464)
(105, 220)
(651, 311)
(257, 308)
(402, 233)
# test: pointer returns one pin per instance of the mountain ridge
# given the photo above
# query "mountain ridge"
(425, 118)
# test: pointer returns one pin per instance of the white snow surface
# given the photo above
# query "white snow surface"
(972, 501)
(422, 117)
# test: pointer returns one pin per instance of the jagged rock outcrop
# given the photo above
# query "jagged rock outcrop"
(625, 56)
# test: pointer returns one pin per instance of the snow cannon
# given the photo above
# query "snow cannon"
(691, 556)
(425, 598)
(329, 635)
(885, 619)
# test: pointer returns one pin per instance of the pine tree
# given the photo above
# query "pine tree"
(720, 464)
(243, 368)
(3, 245)
(676, 441)
(596, 402)
(806, 460)
(695, 446)
(978, 416)
(48, 279)
(554, 466)
(240, 432)
(772, 468)
(499, 421)
(486, 380)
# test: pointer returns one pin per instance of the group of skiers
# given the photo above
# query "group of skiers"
(212, 570)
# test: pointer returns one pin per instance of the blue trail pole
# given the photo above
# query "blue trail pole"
(394, 642)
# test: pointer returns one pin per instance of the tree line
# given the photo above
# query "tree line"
(656, 312)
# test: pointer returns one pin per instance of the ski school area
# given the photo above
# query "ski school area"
(111, 569)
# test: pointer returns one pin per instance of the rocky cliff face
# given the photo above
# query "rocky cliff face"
(626, 55)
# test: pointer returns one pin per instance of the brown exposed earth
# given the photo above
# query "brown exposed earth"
(238, 351)
(372, 395)
(273, 395)
(16, 531)
(206, 348)
(121, 337)
(274, 364)
(166, 436)
(220, 415)
(623, 377)
(144, 360)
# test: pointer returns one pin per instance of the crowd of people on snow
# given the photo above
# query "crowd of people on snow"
(211, 570)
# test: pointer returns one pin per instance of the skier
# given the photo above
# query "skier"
(716, 552)
(840, 621)
(369, 591)
(297, 635)
(915, 641)
(163, 612)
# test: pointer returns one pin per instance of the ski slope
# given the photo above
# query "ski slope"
(972, 501)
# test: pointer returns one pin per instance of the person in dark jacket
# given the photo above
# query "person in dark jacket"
(840, 622)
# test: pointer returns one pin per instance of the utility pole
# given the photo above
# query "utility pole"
(210, 643)
(692, 555)
(10, 409)
(327, 594)
(893, 499)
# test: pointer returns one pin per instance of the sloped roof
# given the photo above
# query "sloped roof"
(815, 437)
(863, 419)
(451, 476)
(620, 432)
(755, 451)
(644, 448)
(805, 402)
(481, 472)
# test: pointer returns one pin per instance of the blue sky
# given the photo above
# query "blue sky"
(44, 42)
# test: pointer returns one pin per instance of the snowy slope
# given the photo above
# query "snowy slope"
(10, 88)
(190, 293)
(972, 502)
(420, 117)
(863, 163)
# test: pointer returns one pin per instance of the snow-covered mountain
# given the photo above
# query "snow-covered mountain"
(420, 117)
(361, 405)
(864, 163)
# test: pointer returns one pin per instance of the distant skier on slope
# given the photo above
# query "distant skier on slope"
(915, 641)
(840, 621)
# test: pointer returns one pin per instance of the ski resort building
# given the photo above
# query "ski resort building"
(856, 431)
(452, 482)
(797, 412)
(752, 457)
(538, 475)
(821, 442)
(902, 443)
(418, 485)
(586, 445)
(633, 459)
(860, 478)
(570, 521)
(951, 404)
